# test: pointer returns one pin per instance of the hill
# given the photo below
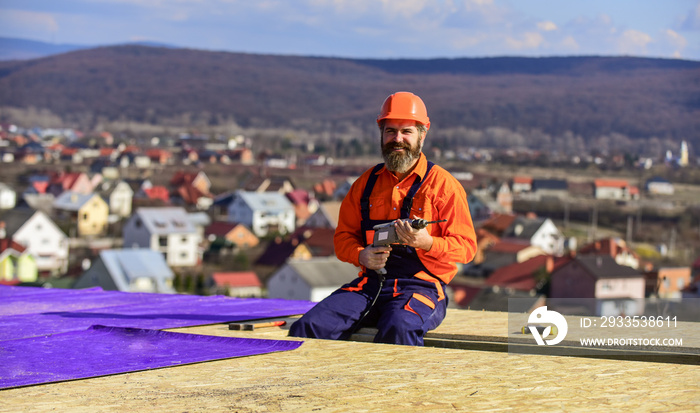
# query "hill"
(639, 98)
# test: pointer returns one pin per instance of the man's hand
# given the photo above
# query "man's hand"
(416, 238)
(374, 258)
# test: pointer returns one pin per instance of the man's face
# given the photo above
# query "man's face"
(402, 143)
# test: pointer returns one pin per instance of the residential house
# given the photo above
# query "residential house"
(504, 199)
(615, 189)
(326, 216)
(498, 223)
(667, 283)
(16, 264)
(597, 284)
(8, 197)
(137, 185)
(192, 189)
(502, 253)
(279, 251)
(42, 238)
(312, 280)
(484, 241)
(88, 214)
(659, 186)
(200, 221)
(540, 232)
(263, 212)
(550, 188)
(319, 241)
(197, 179)
(480, 205)
(521, 184)
(167, 230)
(131, 158)
(119, 196)
(77, 182)
(232, 233)
(614, 247)
(153, 195)
(343, 188)
(159, 156)
(236, 284)
(530, 275)
(129, 270)
(220, 205)
(304, 205)
(324, 190)
(242, 155)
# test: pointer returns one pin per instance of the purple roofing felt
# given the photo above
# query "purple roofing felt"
(51, 335)
(58, 313)
(100, 351)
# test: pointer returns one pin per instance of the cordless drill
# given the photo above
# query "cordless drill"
(385, 234)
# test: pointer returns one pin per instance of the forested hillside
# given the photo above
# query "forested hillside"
(584, 97)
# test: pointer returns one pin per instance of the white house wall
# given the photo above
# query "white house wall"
(549, 238)
(45, 241)
(121, 199)
(182, 250)
(8, 198)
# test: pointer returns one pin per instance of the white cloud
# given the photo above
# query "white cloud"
(529, 40)
(547, 26)
(675, 39)
(633, 42)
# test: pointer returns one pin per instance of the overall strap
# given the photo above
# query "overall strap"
(408, 200)
(369, 186)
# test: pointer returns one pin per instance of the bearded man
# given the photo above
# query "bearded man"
(400, 289)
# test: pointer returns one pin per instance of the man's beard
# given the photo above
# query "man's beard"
(401, 161)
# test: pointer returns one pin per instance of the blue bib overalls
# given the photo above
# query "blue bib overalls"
(406, 307)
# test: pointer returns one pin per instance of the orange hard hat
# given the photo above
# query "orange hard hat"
(404, 105)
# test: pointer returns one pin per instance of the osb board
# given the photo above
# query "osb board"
(336, 376)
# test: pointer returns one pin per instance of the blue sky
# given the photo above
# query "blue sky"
(370, 28)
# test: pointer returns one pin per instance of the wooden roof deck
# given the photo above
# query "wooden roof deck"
(339, 376)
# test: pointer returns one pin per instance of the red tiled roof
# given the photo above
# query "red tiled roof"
(182, 177)
(498, 223)
(520, 276)
(220, 228)
(189, 194)
(522, 180)
(157, 192)
(298, 197)
(236, 279)
(614, 183)
(509, 246)
(6, 243)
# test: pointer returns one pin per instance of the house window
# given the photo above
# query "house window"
(184, 240)
(163, 241)
(85, 216)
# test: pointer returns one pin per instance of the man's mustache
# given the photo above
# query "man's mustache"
(391, 146)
